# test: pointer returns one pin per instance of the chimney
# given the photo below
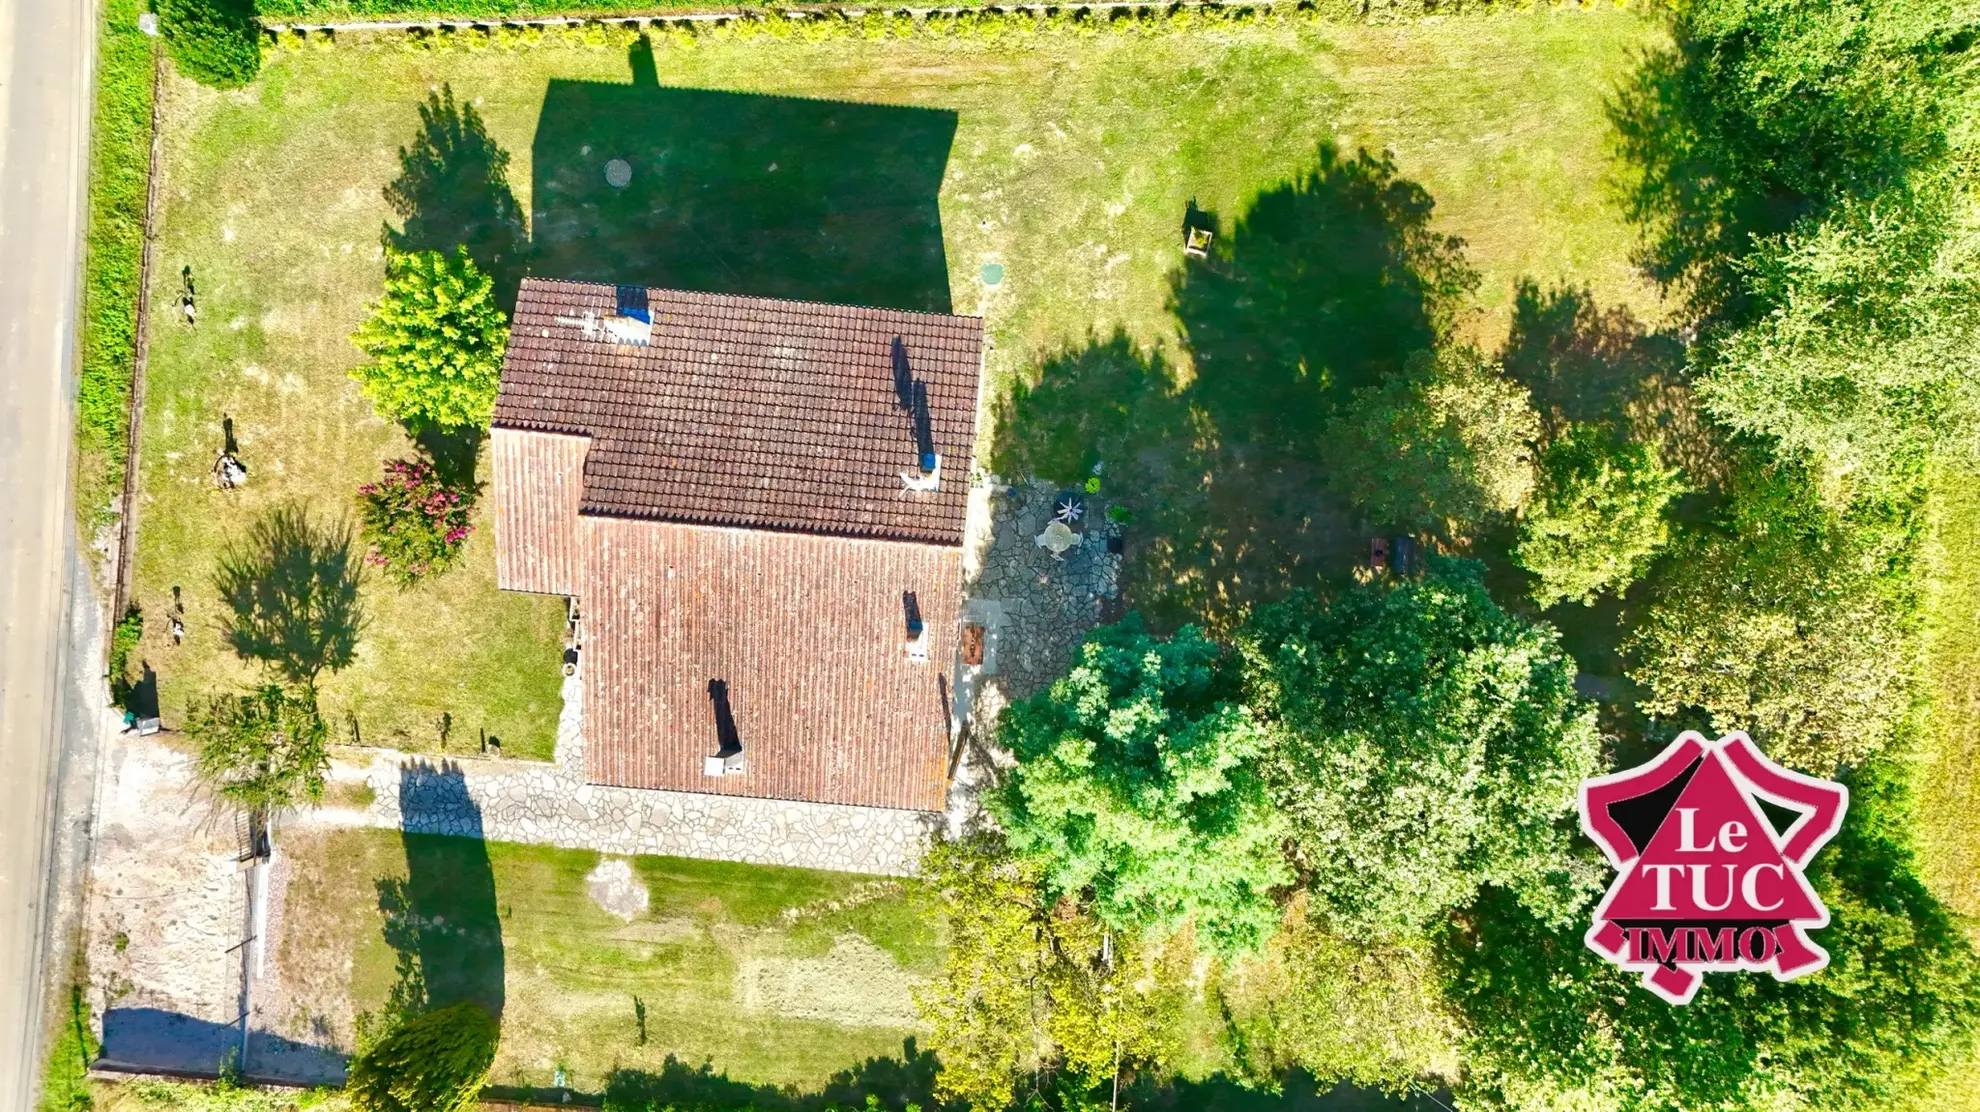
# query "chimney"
(917, 630)
(728, 758)
(631, 322)
(903, 376)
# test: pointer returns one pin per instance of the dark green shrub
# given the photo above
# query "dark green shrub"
(123, 642)
(436, 1062)
(214, 42)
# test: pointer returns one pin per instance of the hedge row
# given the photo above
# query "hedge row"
(834, 23)
(120, 154)
(494, 11)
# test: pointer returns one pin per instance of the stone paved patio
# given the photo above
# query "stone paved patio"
(1036, 608)
(550, 804)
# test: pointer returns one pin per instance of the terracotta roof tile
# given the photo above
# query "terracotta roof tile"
(807, 633)
(747, 411)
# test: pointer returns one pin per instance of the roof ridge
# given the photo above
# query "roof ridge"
(754, 297)
(712, 522)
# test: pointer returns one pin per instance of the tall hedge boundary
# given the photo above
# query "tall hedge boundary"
(120, 157)
(881, 22)
(324, 12)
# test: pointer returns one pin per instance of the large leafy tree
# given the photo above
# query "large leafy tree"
(1035, 987)
(436, 1062)
(262, 748)
(1553, 1026)
(1790, 621)
(1766, 113)
(1805, 169)
(1427, 743)
(1868, 363)
(1138, 779)
(435, 340)
(981, 1010)
(1448, 441)
(1597, 516)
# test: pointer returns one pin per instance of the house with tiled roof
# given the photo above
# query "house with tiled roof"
(757, 507)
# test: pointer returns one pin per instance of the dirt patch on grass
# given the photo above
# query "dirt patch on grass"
(613, 887)
(855, 983)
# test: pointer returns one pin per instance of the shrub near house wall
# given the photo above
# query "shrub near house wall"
(414, 522)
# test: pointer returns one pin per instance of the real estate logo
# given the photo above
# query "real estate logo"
(1705, 883)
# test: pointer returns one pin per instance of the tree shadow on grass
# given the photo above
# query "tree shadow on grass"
(453, 452)
(1586, 365)
(291, 590)
(1326, 284)
(909, 1080)
(741, 193)
(894, 1083)
(453, 192)
(442, 919)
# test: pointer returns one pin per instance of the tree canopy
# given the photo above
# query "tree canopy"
(262, 748)
(1138, 778)
(1766, 113)
(1447, 440)
(1596, 518)
(1867, 364)
(1789, 620)
(1036, 987)
(435, 340)
(1804, 170)
(1553, 1026)
(435, 1062)
(1426, 743)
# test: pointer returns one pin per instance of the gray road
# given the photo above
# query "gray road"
(45, 53)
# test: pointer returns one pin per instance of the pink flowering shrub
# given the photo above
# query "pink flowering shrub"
(414, 523)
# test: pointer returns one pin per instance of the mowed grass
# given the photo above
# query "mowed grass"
(1072, 162)
(773, 975)
(1948, 773)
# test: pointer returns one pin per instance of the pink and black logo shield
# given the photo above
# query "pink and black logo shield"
(1705, 883)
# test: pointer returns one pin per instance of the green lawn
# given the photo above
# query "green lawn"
(773, 975)
(1948, 801)
(1948, 786)
(886, 172)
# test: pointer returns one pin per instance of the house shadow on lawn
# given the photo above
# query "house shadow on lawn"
(741, 193)
(442, 918)
(1326, 284)
(152, 1040)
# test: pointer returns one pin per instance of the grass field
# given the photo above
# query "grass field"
(773, 975)
(1948, 803)
(1067, 162)
(1948, 785)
